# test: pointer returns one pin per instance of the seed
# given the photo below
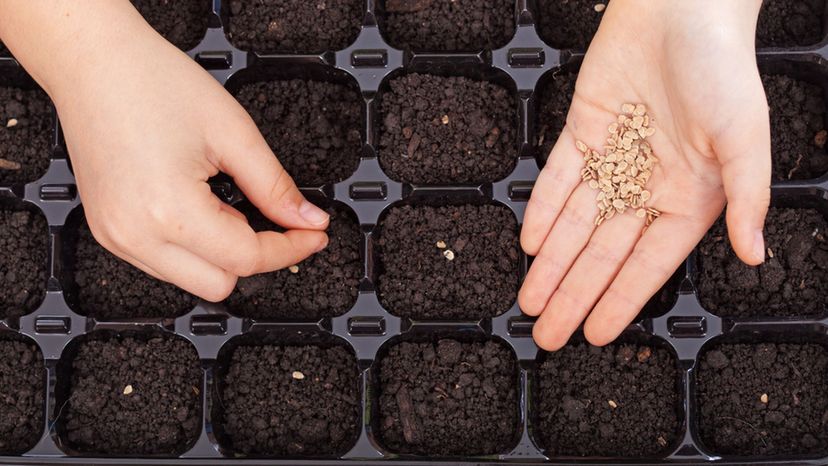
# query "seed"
(644, 354)
(640, 213)
(445, 119)
(612, 404)
(661, 441)
(128, 390)
(645, 195)
(12, 123)
(764, 398)
(627, 108)
(294, 269)
(640, 110)
(9, 165)
(593, 184)
(770, 253)
(600, 7)
(298, 375)
(448, 254)
(581, 146)
(441, 244)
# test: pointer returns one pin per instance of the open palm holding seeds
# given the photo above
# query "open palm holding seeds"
(613, 217)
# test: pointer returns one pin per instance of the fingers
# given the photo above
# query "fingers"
(556, 181)
(211, 230)
(568, 237)
(265, 182)
(586, 281)
(657, 255)
(746, 170)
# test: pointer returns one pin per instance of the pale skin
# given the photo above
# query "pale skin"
(134, 134)
(693, 65)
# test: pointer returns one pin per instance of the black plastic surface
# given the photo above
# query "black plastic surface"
(686, 327)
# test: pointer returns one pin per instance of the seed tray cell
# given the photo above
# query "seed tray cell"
(367, 328)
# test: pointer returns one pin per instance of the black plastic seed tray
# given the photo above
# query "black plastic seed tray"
(685, 328)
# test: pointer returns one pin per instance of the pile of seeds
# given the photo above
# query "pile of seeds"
(622, 172)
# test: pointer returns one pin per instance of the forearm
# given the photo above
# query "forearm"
(62, 42)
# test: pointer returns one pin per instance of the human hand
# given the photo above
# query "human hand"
(143, 146)
(693, 65)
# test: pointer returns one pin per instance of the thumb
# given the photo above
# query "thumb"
(264, 181)
(746, 170)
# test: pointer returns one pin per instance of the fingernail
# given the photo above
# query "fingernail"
(759, 246)
(312, 214)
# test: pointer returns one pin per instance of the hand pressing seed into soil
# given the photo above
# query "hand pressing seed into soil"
(711, 142)
(143, 147)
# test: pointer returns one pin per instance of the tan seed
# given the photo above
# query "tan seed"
(12, 123)
(445, 119)
(764, 398)
(612, 404)
(441, 244)
(593, 184)
(662, 442)
(298, 375)
(294, 269)
(770, 253)
(581, 146)
(128, 390)
(640, 213)
(628, 108)
(600, 7)
(448, 254)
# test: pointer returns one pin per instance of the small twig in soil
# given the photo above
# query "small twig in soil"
(796, 166)
(408, 418)
(9, 165)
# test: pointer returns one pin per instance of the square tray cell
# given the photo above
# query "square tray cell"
(100, 285)
(793, 281)
(291, 401)
(293, 26)
(323, 285)
(763, 399)
(24, 245)
(22, 378)
(449, 262)
(447, 398)
(132, 394)
(798, 128)
(447, 130)
(314, 127)
(569, 24)
(26, 134)
(554, 98)
(622, 400)
(447, 26)
(182, 22)
(787, 23)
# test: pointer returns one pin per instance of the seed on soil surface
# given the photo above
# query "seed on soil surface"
(128, 390)
(764, 398)
(449, 254)
(445, 119)
(12, 123)
(644, 354)
(441, 244)
(298, 375)
(9, 165)
(623, 171)
(294, 269)
(600, 7)
(612, 404)
(821, 138)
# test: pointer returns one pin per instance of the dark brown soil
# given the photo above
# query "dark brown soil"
(555, 99)
(798, 130)
(162, 414)
(448, 398)
(418, 281)
(109, 288)
(786, 23)
(448, 26)
(24, 245)
(447, 130)
(576, 385)
(731, 380)
(794, 282)
(568, 24)
(182, 22)
(326, 285)
(22, 377)
(28, 144)
(312, 126)
(289, 26)
(285, 400)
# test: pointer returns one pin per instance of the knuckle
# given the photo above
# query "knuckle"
(601, 253)
(571, 301)
(222, 289)
(574, 218)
